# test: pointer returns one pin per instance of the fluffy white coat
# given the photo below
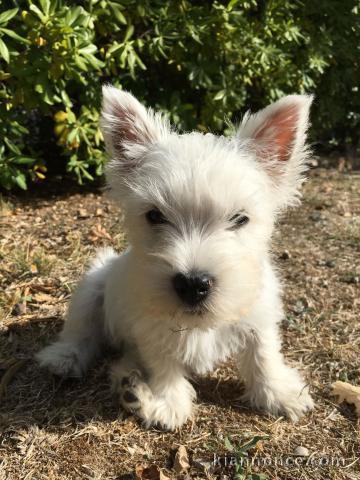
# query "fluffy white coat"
(199, 184)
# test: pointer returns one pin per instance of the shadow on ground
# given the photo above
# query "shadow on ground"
(49, 401)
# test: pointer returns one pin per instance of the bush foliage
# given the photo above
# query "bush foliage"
(199, 62)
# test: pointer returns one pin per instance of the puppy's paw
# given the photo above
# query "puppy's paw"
(62, 359)
(133, 391)
(297, 405)
(173, 407)
(293, 403)
(163, 414)
(289, 397)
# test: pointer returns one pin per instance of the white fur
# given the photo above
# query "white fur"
(198, 182)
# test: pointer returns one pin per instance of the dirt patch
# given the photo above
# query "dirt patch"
(51, 428)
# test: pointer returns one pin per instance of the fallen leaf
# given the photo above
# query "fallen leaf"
(152, 472)
(33, 268)
(163, 476)
(98, 232)
(82, 213)
(181, 461)
(44, 298)
(347, 393)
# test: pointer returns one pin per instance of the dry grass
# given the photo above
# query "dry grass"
(54, 429)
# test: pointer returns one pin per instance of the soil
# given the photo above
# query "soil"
(66, 429)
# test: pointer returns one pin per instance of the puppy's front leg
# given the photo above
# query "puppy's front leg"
(271, 385)
(163, 397)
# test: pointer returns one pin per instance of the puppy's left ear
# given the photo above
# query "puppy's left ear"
(129, 129)
(277, 135)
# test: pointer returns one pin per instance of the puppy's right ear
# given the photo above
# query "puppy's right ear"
(129, 129)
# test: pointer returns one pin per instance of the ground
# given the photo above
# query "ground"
(56, 429)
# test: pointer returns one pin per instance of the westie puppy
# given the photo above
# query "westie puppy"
(197, 283)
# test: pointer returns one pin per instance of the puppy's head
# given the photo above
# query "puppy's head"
(200, 209)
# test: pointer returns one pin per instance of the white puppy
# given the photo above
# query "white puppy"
(197, 283)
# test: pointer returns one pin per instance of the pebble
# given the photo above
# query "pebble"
(301, 451)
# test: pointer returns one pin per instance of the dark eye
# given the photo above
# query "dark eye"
(155, 217)
(238, 221)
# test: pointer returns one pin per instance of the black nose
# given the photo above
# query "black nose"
(192, 288)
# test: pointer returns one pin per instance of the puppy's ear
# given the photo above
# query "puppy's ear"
(277, 135)
(129, 128)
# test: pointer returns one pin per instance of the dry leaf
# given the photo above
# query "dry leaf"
(181, 462)
(33, 268)
(149, 473)
(163, 476)
(82, 213)
(347, 393)
(98, 232)
(44, 298)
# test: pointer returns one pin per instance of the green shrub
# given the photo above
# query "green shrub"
(199, 62)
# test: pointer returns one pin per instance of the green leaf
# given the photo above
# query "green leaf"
(117, 13)
(80, 63)
(24, 160)
(114, 48)
(239, 476)
(21, 181)
(94, 62)
(71, 116)
(66, 99)
(129, 33)
(91, 48)
(38, 12)
(86, 173)
(12, 147)
(82, 20)
(39, 88)
(4, 52)
(231, 5)
(45, 5)
(252, 443)
(139, 61)
(73, 135)
(228, 445)
(15, 36)
(8, 15)
(220, 95)
(73, 15)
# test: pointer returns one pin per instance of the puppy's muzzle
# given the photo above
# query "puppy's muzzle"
(193, 288)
